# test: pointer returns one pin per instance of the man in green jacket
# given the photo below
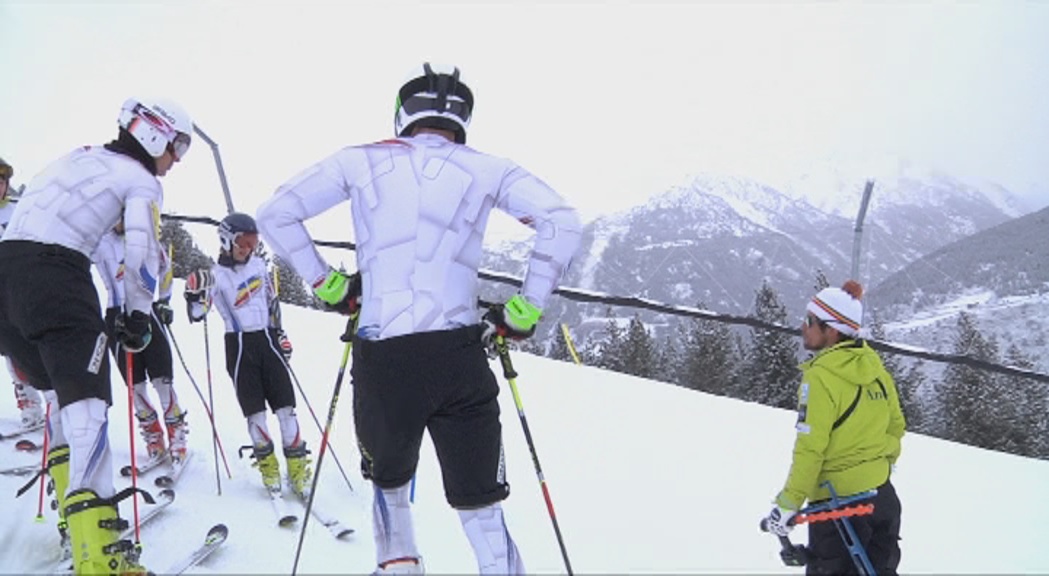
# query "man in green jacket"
(848, 433)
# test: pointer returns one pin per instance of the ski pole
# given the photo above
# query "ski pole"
(211, 403)
(319, 428)
(511, 377)
(207, 409)
(346, 337)
(43, 462)
(129, 361)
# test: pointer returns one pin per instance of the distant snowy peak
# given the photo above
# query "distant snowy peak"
(732, 198)
(836, 187)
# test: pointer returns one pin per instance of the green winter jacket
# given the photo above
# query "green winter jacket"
(849, 425)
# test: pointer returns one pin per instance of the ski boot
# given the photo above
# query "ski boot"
(153, 435)
(266, 462)
(93, 527)
(401, 566)
(300, 477)
(30, 405)
(177, 431)
(58, 469)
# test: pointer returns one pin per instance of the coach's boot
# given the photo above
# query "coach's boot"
(300, 477)
(266, 462)
(93, 529)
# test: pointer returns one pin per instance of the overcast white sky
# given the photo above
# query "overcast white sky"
(607, 102)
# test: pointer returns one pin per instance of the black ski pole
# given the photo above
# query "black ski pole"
(319, 428)
(211, 404)
(207, 409)
(511, 377)
(346, 337)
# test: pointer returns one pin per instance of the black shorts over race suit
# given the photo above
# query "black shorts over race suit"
(255, 364)
(437, 381)
(154, 362)
(50, 320)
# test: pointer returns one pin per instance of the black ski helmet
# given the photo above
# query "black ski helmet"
(6, 170)
(233, 225)
(434, 96)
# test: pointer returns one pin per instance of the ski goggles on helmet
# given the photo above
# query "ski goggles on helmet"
(424, 103)
(247, 241)
(180, 145)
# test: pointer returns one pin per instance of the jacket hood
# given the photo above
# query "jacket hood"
(853, 361)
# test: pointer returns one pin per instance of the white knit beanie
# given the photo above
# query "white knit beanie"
(839, 307)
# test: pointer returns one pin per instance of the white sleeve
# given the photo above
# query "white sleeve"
(106, 262)
(558, 230)
(280, 219)
(141, 247)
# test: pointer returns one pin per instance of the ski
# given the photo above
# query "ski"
(284, 516)
(177, 467)
(26, 445)
(146, 466)
(166, 497)
(334, 526)
(215, 537)
(21, 430)
(25, 470)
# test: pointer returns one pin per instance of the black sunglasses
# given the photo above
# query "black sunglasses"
(811, 321)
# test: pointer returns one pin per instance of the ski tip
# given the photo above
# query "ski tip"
(164, 482)
(126, 472)
(288, 520)
(344, 533)
(167, 494)
(218, 531)
(26, 446)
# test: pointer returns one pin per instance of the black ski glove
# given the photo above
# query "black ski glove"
(133, 331)
(162, 309)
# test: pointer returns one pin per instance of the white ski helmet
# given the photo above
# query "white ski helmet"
(156, 124)
(434, 96)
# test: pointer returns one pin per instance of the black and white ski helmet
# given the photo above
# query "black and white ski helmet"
(233, 225)
(434, 96)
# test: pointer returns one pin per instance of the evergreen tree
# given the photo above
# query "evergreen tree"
(979, 409)
(639, 354)
(908, 385)
(187, 257)
(292, 287)
(1032, 433)
(668, 361)
(770, 368)
(609, 354)
(710, 362)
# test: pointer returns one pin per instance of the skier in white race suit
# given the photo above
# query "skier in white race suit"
(155, 362)
(420, 203)
(50, 320)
